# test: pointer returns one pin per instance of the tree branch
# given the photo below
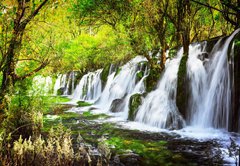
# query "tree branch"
(35, 12)
(29, 59)
(206, 5)
(43, 65)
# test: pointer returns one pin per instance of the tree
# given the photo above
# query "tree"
(15, 17)
(230, 10)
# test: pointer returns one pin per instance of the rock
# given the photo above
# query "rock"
(203, 56)
(130, 159)
(104, 74)
(234, 65)
(152, 79)
(134, 103)
(118, 70)
(182, 87)
(117, 105)
(60, 91)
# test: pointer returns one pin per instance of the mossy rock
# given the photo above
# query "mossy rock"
(182, 87)
(152, 79)
(78, 76)
(142, 66)
(118, 70)
(83, 104)
(60, 91)
(104, 74)
(235, 76)
(140, 75)
(134, 103)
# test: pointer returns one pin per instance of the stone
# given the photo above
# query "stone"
(134, 103)
(117, 105)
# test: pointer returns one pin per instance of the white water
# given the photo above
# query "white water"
(57, 84)
(159, 107)
(211, 90)
(89, 87)
(42, 85)
(69, 83)
(120, 86)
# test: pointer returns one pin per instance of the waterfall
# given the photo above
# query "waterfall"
(210, 102)
(89, 87)
(42, 85)
(69, 84)
(120, 85)
(159, 107)
(57, 84)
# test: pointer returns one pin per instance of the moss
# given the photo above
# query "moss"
(118, 71)
(134, 103)
(49, 103)
(60, 91)
(235, 73)
(89, 116)
(83, 104)
(78, 76)
(181, 99)
(152, 152)
(140, 75)
(104, 74)
(152, 79)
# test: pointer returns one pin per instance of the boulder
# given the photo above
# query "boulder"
(134, 103)
(117, 105)
(234, 59)
(182, 87)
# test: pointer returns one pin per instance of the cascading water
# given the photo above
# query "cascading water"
(210, 87)
(89, 87)
(69, 84)
(42, 85)
(57, 84)
(159, 107)
(121, 85)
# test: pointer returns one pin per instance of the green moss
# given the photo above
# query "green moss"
(181, 86)
(55, 99)
(49, 103)
(118, 71)
(152, 152)
(88, 115)
(104, 74)
(140, 75)
(152, 79)
(67, 118)
(83, 104)
(134, 103)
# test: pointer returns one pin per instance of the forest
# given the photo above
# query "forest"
(119, 82)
